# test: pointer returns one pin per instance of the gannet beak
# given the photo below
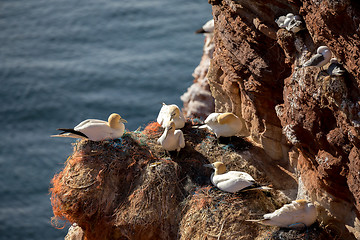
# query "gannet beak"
(209, 165)
(123, 120)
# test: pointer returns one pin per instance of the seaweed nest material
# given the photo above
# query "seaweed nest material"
(129, 188)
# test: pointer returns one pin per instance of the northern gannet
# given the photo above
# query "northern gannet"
(232, 181)
(297, 214)
(96, 130)
(321, 58)
(172, 139)
(171, 113)
(208, 27)
(225, 125)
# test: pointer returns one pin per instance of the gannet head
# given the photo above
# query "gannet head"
(322, 49)
(170, 127)
(290, 15)
(219, 167)
(174, 112)
(115, 121)
(226, 118)
(302, 202)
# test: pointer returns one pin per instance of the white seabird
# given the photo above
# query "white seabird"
(96, 130)
(335, 68)
(288, 18)
(225, 125)
(171, 113)
(295, 24)
(321, 58)
(208, 27)
(172, 139)
(283, 21)
(290, 22)
(280, 21)
(208, 31)
(297, 214)
(232, 181)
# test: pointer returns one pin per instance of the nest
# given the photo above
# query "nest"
(313, 232)
(95, 181)
(130, 189)
(213, 214)
(150, 211)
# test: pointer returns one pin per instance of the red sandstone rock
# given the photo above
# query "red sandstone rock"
(256, 73)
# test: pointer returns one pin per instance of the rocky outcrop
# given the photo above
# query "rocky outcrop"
(197, 100)
(305, 120)
(129, 189)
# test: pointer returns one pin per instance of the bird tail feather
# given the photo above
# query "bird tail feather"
(67, 134)
(264, 188)
(254, 220)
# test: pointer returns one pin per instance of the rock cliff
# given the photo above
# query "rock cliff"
(304, 119)
(197, 100)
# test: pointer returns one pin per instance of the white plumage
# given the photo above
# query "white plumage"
(321, 58)
(297, 214)
(208, 27)
(96, 130)
(172, 139)
(232, 181)
(171, 113)
(225, 125)
(291, 22)
(335, 68)
(288, 18)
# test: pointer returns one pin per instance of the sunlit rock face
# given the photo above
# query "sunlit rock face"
(302, 117)
(198, 101)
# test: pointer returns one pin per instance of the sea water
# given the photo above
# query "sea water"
(63, 61)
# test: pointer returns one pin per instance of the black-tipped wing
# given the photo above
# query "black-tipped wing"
(201, 30)
(69, 130)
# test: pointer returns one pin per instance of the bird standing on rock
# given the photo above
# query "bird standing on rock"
(321, 58)
(96, 130)
(171, 113)
(232, 181)
(297, 214)
(172, 139)
(225, 125)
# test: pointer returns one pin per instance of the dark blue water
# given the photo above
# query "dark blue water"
(63, 61)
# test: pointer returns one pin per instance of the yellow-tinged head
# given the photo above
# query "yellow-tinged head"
(219, 167)
(114, 121)
(174, 111)
(226, 118)
(301, 201)
(170, 126)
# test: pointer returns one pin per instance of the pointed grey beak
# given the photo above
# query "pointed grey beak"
(209, 165)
